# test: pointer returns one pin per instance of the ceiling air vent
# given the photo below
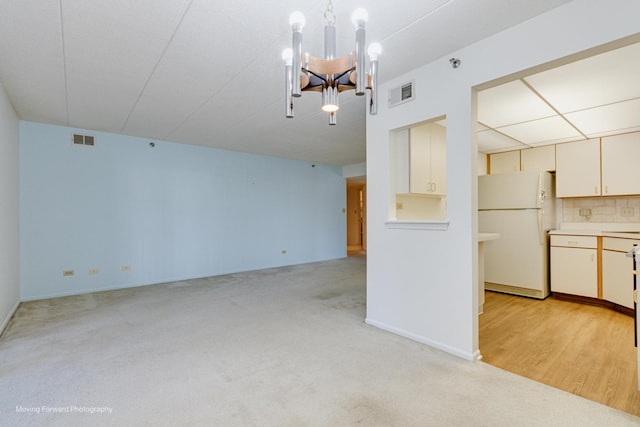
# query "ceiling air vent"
(403, 93)
(84, 139)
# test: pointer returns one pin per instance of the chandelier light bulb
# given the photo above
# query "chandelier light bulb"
(297, 21)
(374, 50)
(359, 17)
(330, 108)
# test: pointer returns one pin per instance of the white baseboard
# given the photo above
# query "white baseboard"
(440, 346)
(5, 322)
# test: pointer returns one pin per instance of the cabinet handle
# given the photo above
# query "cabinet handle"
(606, 189)
(573, 242)
(595, 189)
(434, 186)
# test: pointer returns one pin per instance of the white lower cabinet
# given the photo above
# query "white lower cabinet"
(617, 283)
(575, 269)
(574, 265)
(617, 271)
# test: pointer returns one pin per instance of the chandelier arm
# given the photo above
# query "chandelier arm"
(322, 77)
(337, 77)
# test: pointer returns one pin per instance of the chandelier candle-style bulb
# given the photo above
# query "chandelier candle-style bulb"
(374, 51)
(330, 74)
(359, 19)
(287, 56)
(297, 21)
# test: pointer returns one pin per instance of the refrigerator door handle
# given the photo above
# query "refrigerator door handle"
(541, 192)
(541, 231)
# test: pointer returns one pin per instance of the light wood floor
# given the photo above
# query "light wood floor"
(581, 349)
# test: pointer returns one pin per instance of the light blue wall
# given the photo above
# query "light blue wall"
(9, 214)
(172, 212)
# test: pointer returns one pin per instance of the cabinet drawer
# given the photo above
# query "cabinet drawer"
(618, 244)
(574, 241)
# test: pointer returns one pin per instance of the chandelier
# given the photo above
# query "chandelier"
(330, 75)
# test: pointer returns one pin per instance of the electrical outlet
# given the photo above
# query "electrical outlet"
(68, 273)
(94, 271)
(126, 267)
(626, 211)
(586, 212)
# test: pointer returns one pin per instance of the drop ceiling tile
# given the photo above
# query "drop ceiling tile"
(509, 104)
(111, 49)
(609, 119)
(492, 141)
(547, 130)
(31, 60)
(602, 79)
(209, 55)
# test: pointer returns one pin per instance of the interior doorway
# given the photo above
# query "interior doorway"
(559, 343)
(356, 216)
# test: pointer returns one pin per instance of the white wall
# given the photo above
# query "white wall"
(355, 170)
(171, 212)
(423, 283)
(9, 213)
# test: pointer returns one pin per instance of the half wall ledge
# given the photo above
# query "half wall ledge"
(418, 225)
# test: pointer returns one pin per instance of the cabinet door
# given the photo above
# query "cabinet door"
(509, 161)
(617, 278)
(438, 160)
(428, 159)
(620, 155)
(538, 158)
(399, 158)
(574, 271)
(419, 160)
(578, 168)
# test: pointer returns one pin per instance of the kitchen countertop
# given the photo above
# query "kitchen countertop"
(619, 234)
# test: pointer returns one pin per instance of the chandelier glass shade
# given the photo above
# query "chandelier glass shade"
(330, 75)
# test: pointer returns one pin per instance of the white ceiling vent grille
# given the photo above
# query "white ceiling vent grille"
(403, 93)
(89, 140)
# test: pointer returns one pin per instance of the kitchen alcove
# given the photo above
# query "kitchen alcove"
(418, 176)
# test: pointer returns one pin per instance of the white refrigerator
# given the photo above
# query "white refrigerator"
(520, 207)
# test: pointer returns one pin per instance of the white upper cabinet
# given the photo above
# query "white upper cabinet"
(578, 169)
(539, 158)
(620, 156)
(399, 155)
(428, 159)
(508, 161)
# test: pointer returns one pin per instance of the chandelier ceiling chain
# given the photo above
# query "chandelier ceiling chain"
(330, 75)
(329, 16)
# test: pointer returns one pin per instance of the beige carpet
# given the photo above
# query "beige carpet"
(279, 347)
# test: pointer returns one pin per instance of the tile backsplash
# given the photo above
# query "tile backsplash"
(602, 209)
